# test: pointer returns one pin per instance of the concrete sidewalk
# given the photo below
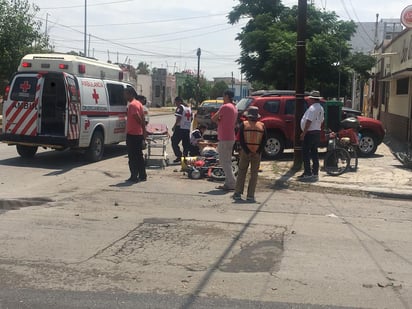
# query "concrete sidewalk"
(381, 175)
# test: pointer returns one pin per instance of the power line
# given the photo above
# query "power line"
(82, 5)
(168, 34)
(360, 23)
(158, 21)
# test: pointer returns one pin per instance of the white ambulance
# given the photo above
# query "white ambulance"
(62, 101)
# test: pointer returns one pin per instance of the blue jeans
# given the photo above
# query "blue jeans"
(310, 152)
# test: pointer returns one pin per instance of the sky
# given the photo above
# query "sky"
(168, 33)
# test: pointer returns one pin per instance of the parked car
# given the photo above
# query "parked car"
(277, 110)
(205, 112)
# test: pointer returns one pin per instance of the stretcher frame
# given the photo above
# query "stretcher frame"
(157, 140)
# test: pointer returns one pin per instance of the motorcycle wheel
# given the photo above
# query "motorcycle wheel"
(218, 174)
(194, 174)
(336, 161)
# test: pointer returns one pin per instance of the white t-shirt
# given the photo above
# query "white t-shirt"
(315, 114)
(186, 118)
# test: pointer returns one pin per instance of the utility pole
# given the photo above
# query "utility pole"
(46, 30)
(300, 80)
(47, 19)
(85, 29)
(198, 53)
(241, 86)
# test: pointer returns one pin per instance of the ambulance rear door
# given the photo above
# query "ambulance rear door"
(21, 107)
(73, 109)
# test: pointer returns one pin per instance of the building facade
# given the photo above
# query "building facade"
(241, 88)
(159, 87)
(392, 86)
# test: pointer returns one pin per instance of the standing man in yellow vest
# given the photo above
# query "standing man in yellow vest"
(252, 137)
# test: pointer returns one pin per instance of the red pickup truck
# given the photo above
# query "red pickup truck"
(277, 111)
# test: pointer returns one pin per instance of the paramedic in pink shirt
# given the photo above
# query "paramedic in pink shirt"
(226, 121)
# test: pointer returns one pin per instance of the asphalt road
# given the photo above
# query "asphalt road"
(75, 235)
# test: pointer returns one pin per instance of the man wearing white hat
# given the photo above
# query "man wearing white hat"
(310, 124)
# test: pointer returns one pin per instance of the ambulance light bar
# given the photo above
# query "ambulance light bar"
(85, 67)
(82, 68)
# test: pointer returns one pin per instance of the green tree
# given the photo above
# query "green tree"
(74, 53)
(217, 89)
(142, 68)
(19, 35)
(190, 86)
(268, 45)
(361, 64)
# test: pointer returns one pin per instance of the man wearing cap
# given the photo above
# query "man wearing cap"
(252, 136)
(310, 124)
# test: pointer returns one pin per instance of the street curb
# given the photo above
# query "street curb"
(390, 195)
(295, 185)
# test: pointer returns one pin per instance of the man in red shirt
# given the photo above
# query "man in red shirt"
(226, 119)
(136, 134)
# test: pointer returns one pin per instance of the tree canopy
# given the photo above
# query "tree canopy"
(143, 68)
(217, 89)
(19, 35)
(190, 88)
(268, 46)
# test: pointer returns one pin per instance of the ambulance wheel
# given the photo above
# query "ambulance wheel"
(95, 151)
(26, 152)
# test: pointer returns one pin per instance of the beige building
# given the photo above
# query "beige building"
(391, 90)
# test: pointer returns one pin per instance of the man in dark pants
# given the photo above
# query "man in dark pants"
(181, 129)
(136, 134)
(311, 123)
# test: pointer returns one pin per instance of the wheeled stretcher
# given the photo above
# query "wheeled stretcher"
(157, 139)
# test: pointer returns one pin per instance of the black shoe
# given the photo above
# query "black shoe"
(142, 179)
(305, 177)
(133, 179)
(177, 160)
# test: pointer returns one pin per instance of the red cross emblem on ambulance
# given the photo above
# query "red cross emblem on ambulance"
(25, 86)
(95, 96)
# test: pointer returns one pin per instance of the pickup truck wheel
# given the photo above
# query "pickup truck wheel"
(274, 146)
(95, 151)
(367, 144)
(26, 152)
